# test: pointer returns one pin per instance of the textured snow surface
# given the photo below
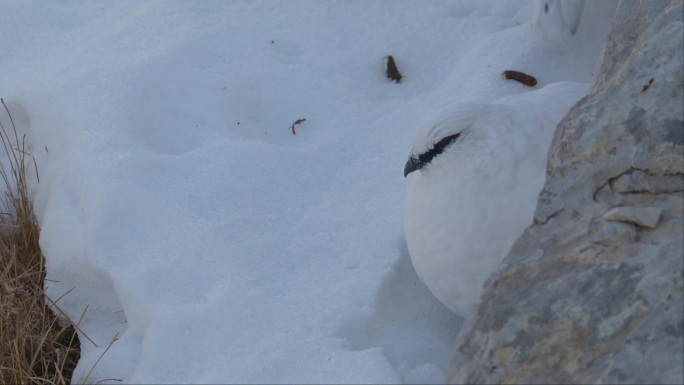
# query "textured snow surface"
(177, 205)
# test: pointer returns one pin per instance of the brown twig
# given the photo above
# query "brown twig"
(296, 122)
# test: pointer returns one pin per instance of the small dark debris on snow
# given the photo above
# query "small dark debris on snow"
(519, 77)
(391, 69)
(647, 85)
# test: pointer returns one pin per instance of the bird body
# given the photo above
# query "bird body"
(480, 168)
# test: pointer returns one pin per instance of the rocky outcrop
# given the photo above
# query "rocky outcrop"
(593, 291)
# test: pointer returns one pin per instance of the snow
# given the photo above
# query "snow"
(177, 206)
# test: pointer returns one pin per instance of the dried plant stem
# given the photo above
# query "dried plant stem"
(34, 347)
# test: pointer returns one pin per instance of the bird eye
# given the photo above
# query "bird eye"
(446, 141)
(439, 147)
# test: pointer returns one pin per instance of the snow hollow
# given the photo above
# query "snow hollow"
(176, 203)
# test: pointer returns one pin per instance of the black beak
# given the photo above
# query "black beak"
(412, 165)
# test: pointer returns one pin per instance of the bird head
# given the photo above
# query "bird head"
(440, 133)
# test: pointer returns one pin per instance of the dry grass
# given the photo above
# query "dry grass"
(34, 348)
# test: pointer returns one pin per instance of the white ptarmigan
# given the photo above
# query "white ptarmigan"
(479, 168)
(555, 20)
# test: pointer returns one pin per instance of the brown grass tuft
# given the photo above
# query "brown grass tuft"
(34, 348)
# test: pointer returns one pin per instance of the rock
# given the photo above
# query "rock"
(634, 19)
(593, 291)
(642, 216)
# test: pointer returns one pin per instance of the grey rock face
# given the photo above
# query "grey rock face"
(593, 291)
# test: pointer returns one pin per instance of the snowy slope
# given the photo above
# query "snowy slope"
(181, 210)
